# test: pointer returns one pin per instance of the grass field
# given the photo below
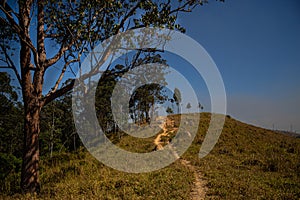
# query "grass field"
(247, 163)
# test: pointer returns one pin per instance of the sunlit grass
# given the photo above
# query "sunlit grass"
(247, 163)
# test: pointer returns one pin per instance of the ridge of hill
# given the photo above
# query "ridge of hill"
(289, 133)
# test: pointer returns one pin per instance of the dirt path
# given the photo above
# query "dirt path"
(199, 190)
(157, 140)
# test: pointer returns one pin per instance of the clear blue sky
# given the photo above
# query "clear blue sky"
(256, 46)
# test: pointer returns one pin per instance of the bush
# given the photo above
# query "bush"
(10, 168)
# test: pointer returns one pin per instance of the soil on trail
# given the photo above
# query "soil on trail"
(199, 189)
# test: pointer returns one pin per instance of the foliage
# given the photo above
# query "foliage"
(10, 118)
(10, 135)
(177, 98)
(169, 110)
(10, 168)
(57, 128)
(143, 97)
(188, 106)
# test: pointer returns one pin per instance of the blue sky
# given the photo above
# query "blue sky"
(256, 46)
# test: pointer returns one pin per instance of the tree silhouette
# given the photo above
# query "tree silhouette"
(169, 110)
(177, 98)
(200, 106)
(188, 106)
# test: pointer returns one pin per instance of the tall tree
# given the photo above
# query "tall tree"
(145, 98)
(74, 27)
(177, 98)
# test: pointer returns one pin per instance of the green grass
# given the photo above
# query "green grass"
(69, 176)
(247, 163)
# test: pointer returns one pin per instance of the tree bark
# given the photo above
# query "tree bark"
(32, 93)
(30, 165)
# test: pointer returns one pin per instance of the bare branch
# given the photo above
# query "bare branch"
(48, 28)
(186, 7)
(27, 40)
(54, 89)
(11, 22)
(11, 10)
(60, 53)
(11, 64)
(59, 93)
(10, 17)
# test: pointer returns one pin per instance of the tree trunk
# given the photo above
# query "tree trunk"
(152, 111)
(32, 95)
(30, 165)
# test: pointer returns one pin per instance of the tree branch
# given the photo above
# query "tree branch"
(187, 4)
(59, 93)
(40, 33)
(60, 53)
(10, 17)
(27, 40)
(130, 13)
(11, 64)
(58, 81)
(10, 10)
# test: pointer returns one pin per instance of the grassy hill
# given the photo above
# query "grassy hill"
(247, 163)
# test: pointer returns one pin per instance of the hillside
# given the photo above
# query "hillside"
(247, 163)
